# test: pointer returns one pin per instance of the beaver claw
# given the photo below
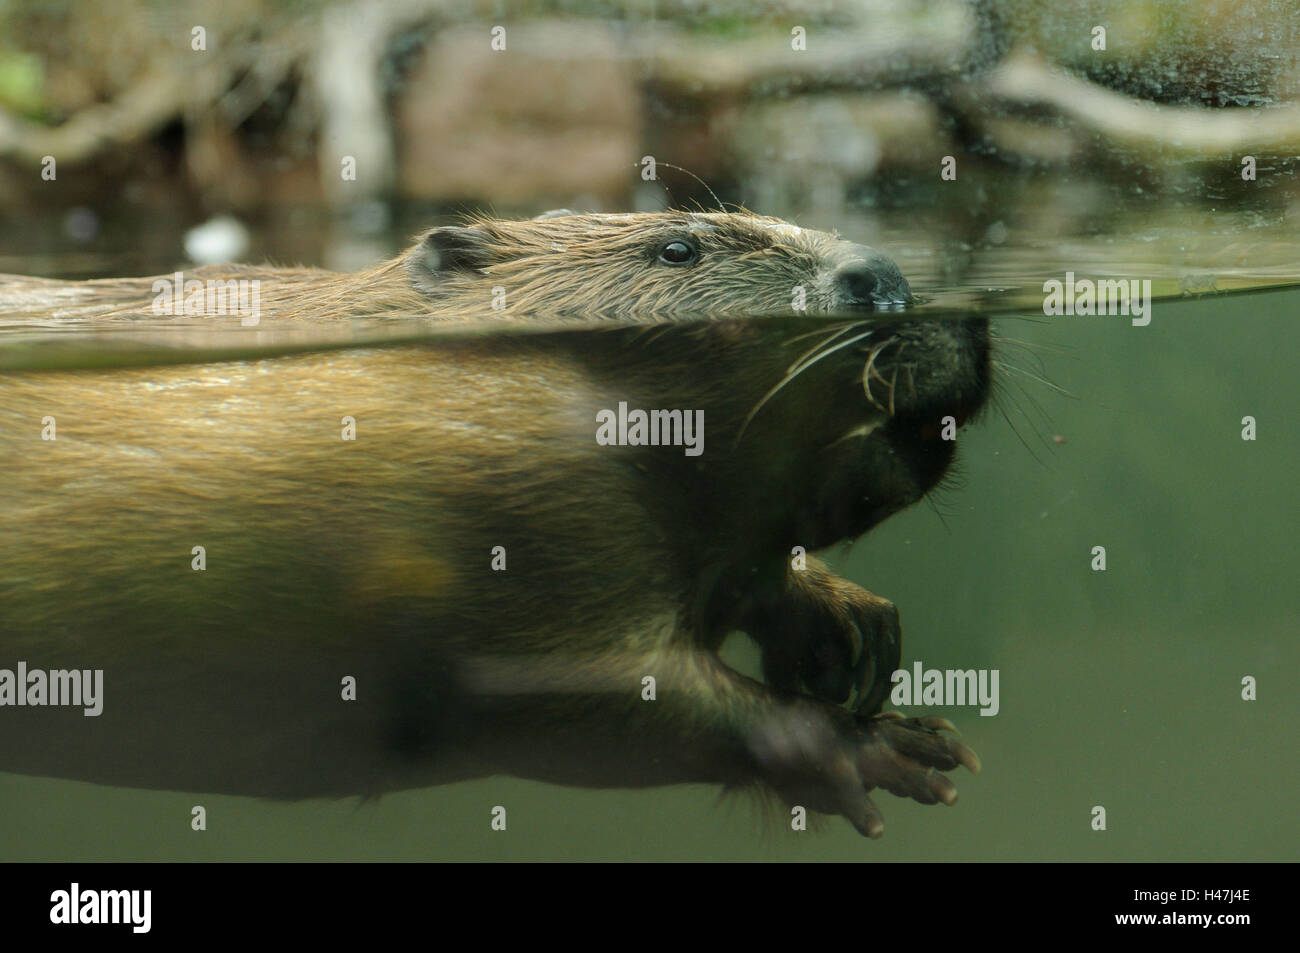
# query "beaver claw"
(841, 649)
(828, 760)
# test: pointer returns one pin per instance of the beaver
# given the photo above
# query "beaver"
(560, 263)
(421, 564)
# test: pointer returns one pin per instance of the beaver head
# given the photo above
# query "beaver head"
(559, 264)
(818, 429)
(656, 262)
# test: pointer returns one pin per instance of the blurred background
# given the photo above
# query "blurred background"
(1155, 139)
(327, 132)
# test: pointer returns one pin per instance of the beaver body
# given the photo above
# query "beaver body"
(504, 592)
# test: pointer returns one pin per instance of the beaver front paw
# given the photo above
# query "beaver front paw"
(836, 641)
(828, 760)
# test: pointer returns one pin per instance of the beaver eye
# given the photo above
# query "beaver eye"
(678, 253)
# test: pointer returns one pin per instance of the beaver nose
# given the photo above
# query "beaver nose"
(869, 280)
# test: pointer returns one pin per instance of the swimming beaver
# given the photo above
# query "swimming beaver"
(509, 593)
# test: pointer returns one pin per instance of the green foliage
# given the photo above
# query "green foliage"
(22, 82)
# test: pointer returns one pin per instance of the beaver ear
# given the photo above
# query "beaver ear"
(447, 250)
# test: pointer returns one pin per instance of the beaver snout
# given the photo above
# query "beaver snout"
(868, 279)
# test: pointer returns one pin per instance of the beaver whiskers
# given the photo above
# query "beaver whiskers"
(828, 346)
(1017, 374)
(870, 370)
(818, 352)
